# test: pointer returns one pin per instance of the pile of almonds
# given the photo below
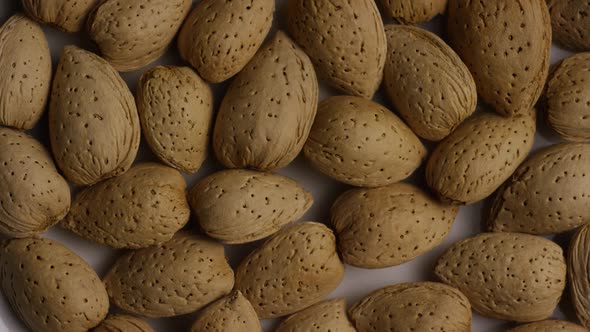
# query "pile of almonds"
(84, 178)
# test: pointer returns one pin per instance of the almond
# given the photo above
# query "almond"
(178, 277)
(578, 262)
(65, 15)
(134, 33)
(421, 306)
(93, 122)
(322, 317)
(472, 162)
(413, 11)
(123, 323)
(50, 287)
(268, 111)
(571, 24)
(344, 39)
(295, 268)
(506, 46)
(231, 313)
(176, 109)
(549, 193)
(387, 226)
(509, 276)
(361, 143)
(549, 326)
(219, 37)
(239, 206)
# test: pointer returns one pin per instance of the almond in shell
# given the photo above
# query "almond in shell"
(325, 316)
(549, 326)
(230, 313)
(65, 15)
(570, 23)
(413, 11)
(123, 323)
(578, 264)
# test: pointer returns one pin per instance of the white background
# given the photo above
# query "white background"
(357, 282)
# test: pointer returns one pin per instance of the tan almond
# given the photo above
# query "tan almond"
(65, 15)
(325, 316)
(578, 262)
(413, 11)
(123, 323)
(231, 313)
(570, 23)
(549, 326)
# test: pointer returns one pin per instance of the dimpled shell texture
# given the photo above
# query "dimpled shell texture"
(133, 33)
(175, 278)
(230, 313)
(472, 162)
(571, 23)
(327, 316)
(123, 323)
(25, 68)
(50, 288)
(549, 326)
(239, 206)
(387, 226)
(568, 104)
(268, 111)
(422, 306)
(140, 208)
(65, 15)
(34, 195)
(219, 37)
(344, 39)
(510, 276)
(506, 45)
(295, 268)
(413, 11)
(549, 193)
(578, 272)
(361, 143)
(93, 122)
(427, 82)
(176, 109)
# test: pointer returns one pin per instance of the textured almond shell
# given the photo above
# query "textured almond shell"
(549, 326)
(325, 316)
(50, 288)
(549, 193)
(427, 82)
(570, 23)
(123, 323)
(568, 104)
(506, 46)
(140, 208)
(219, 37)
(508, 276)
(25, 68)
(295, 268)
(65, 15)
(231, 313)
(268, 111)
(93, 122)
(361, 143)
(578, 262)
(422, 306)
(134, 33)
(176, 109)
(413, 11)
(178, 277)
(345, 41)
(239, 206)
(472, 162)
(387, 226)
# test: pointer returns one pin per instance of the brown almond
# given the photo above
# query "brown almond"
(413, 11)
(549, 326)
(578, 264)
(570, 23)
(230, 313)
(65, 15)
(325, 316)
(123, 323)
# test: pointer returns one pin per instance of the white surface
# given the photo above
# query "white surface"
(357, 282)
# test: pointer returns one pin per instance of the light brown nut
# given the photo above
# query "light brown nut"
(549, 193)
(176, 109)
(219, 37)
(570, 23)
(93, 122)
(472, 162)
(568, 104)
(178, 277)
(325, 316)
(65, 15)
(509, 276)
(134, 33)
(51, 288)
(413, 11)
(123, 323)
(549, 326)
(422, 306)
(268, 111)
(140, 208)
(387, 226)
(578, 262)
(506, 46)
(344, 39)
(231, 313)
(361, 143)
(34, 195)
(25, 66)
(295, 268)
(427, 82)
(239, 206)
